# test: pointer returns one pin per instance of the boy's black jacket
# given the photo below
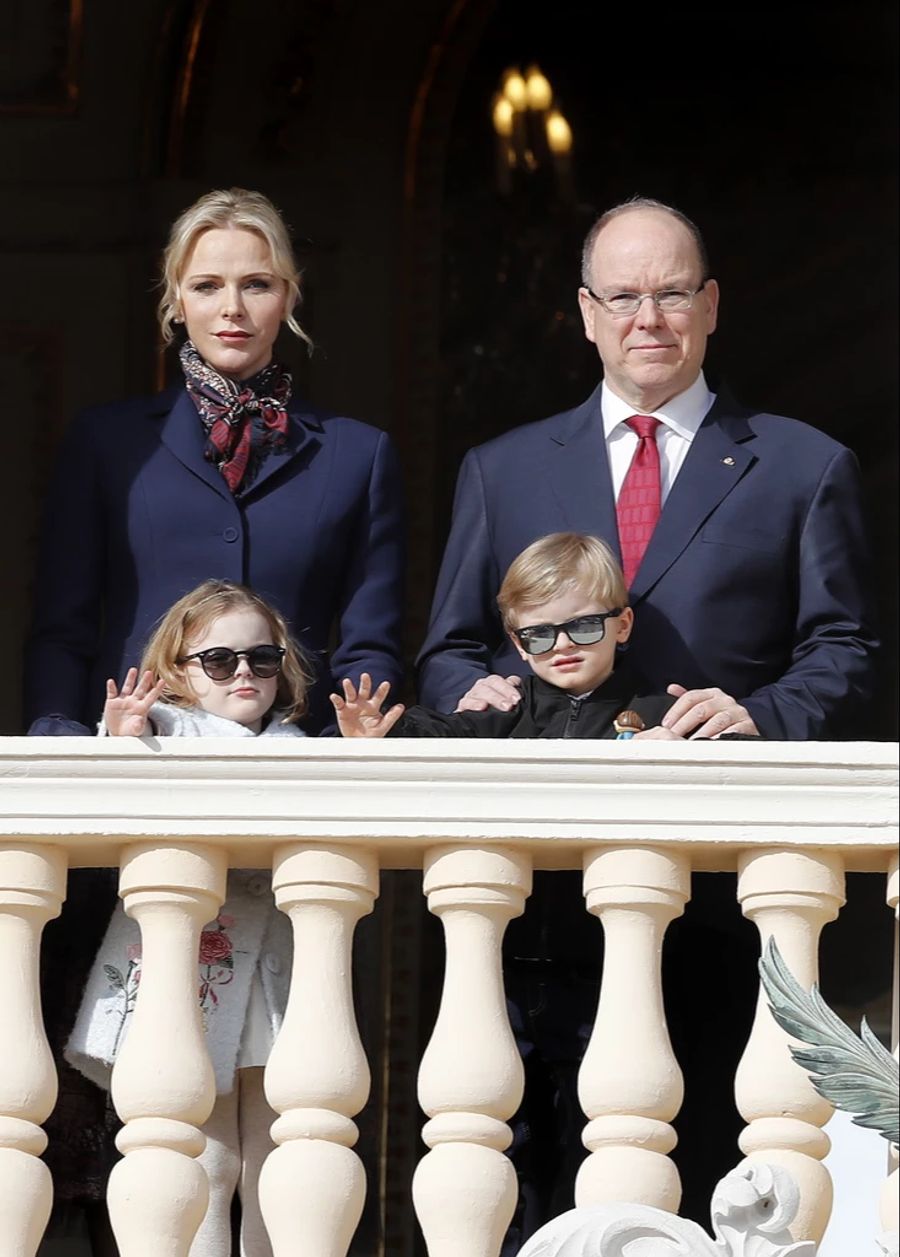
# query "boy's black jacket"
(544, 712)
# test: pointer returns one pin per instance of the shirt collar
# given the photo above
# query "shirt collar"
(684, 413)
(618, 685)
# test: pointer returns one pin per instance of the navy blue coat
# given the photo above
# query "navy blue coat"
(136, 517)
(755, 579)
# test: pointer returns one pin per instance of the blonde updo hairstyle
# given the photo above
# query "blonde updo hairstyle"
(235, 208)
(189, 619)
(554, 565)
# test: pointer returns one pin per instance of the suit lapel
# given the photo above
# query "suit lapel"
(303, 429)
(578, 473)
(716, 461)
(182, 434)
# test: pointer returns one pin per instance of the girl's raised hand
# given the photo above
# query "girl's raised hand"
(359, 713)
(125, 711)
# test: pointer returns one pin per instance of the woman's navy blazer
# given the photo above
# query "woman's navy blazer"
(136, 517)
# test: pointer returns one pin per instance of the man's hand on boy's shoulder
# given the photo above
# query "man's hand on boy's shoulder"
(706, 714)
(502, 693)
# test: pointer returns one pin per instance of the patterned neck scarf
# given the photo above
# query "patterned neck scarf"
(242, 418)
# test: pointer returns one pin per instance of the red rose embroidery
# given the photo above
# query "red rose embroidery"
(215, 947)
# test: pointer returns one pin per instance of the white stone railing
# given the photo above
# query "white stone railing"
(477, 817)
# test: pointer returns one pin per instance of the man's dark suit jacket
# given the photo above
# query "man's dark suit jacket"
(136, 517)
(755, 579)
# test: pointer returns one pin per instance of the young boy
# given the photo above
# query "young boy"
(564, 605)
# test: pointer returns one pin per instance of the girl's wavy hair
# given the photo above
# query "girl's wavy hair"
(193, 614)
(234, 207)
(553, 565)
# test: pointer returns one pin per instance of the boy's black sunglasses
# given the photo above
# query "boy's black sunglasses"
(584, 630)
(220, 662)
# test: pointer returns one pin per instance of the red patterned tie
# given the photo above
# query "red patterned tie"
(638, 505)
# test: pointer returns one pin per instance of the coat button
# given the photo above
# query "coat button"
(258, 885)
(230, 534)
(272, 962)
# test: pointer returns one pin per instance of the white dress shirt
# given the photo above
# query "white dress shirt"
(680, 419)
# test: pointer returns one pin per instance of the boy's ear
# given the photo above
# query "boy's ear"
(626, 624)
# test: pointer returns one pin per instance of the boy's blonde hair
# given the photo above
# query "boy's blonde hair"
(553, 565)
(192, 615)
(239, 208)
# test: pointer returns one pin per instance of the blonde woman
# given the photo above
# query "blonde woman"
(229, 475)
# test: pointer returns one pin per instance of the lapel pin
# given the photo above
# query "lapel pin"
(729, 461)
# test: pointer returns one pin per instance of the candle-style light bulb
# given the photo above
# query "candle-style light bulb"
(538, 91)
(514, 90)
(559, 133)
(559, 141)
(502, 116)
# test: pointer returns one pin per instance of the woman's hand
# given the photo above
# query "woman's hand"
(359, 714)
(502, 693)
(125, 712)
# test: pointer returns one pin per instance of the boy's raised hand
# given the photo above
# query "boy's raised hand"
(359, 713)
(125, 710)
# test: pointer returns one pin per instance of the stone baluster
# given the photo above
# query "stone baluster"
(630, 1085)
(32, 888)
(162, 1083)
(312, 1186)
(790, 895)
(471, 1076)
(890, 1192)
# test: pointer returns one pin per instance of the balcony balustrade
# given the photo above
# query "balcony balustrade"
(477, 818)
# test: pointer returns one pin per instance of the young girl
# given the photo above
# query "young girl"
(221, 664)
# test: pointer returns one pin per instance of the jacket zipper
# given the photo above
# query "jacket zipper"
(575, 705)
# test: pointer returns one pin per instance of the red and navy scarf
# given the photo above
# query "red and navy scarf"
(242, 418)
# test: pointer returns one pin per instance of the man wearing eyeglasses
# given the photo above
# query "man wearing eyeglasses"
(740, 533)
(742, 542)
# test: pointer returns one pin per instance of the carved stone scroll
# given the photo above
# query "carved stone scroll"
(751, 1212)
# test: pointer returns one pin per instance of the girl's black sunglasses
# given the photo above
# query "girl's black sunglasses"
(220, 662)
